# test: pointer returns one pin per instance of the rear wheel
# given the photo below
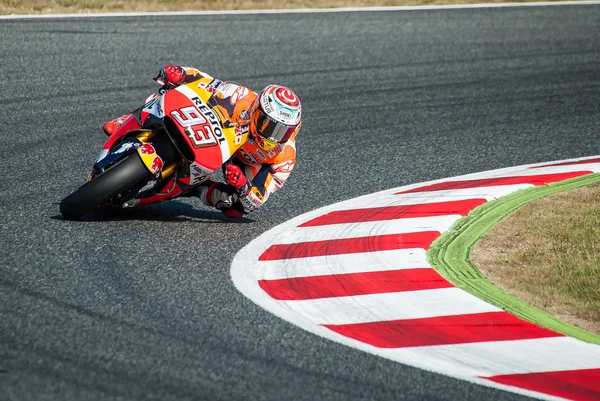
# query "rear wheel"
(104, 187)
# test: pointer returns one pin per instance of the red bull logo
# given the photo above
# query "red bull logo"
(152, 161)
(147, 149)
(157, 164)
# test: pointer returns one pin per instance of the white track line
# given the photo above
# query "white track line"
(527, 172)
(299, 10)
(389, 198)
(366, 229)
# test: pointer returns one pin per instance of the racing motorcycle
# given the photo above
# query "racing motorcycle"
(183, 140)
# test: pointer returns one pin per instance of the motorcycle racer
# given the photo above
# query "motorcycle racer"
(264, 162)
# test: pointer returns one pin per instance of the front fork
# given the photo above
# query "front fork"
(150, 157)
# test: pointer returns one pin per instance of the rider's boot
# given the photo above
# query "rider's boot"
(127, 121)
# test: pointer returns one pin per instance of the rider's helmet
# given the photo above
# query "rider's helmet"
(274, 116)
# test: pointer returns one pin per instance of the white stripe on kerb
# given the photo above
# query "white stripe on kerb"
(390, 198)
(398, 259)
(506, 357)
(532, 172)
(300, 10)
(367, 229)
(389, 306)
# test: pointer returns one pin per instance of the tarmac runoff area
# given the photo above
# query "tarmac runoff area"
(388, 273)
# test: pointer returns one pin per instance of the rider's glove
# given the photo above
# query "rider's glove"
(235, 177)
(171, 76)
(222, 197)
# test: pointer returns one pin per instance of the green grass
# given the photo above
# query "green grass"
(550, 250)
(568, 264)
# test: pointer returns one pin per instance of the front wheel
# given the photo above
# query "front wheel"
(104, 187)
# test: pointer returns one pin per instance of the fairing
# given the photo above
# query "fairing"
(204, 140)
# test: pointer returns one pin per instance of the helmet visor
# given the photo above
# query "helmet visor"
(270, 129)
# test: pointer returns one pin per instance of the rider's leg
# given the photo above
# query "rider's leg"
(127, 122)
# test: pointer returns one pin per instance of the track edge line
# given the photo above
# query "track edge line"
(6, 17)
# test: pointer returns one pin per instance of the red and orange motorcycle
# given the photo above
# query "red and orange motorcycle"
(183, 140)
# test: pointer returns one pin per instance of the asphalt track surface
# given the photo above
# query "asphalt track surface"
(140, 305)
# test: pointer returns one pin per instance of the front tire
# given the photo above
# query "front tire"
(104, 187)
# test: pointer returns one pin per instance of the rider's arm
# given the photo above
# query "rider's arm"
(172, 76)
(268, 179)
(193, 74)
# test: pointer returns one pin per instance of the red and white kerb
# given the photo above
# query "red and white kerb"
(357, 273)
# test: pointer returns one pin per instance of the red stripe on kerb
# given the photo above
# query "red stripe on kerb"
(461, 207)
(588, 161)
(541, 179)
(340, 285)
(350, 245)
(456, 329)
(579, 385)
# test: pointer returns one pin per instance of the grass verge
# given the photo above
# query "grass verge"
(450, 256)
(548, 254)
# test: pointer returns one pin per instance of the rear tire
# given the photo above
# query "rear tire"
(104, 187)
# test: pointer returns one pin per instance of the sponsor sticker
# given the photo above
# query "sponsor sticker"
(125, 147)
(284, 167)
(250, 157)
(147, 149)
(241, 129)
(214, 84)
(266, 104)
(261, 154)
(226, 90)
(239, 93)
(251, 201)
(150, 158)
(197, 174)
(212, 118)
(285, 113)
(157, 164)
